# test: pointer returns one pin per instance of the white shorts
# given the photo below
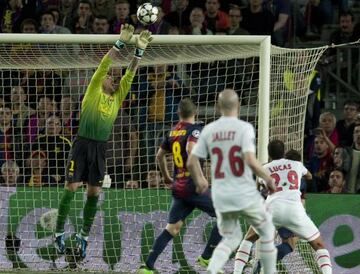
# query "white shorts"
(292, 215)
(256, 215)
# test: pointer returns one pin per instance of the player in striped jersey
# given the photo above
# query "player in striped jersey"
(180, 142)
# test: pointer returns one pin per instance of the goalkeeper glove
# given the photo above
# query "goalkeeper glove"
(125, 36)
(141, 42)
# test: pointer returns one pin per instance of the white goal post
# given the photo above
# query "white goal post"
(175, 40)
(272, 84)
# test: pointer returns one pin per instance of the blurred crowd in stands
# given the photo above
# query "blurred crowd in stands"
(332, 151)
(282, 19)
(38, 120)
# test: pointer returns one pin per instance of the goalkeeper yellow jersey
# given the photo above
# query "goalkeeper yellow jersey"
(99, 110)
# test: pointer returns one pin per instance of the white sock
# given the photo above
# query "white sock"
(268, 254)
(323, 261)
(242, 256)
(220, 256)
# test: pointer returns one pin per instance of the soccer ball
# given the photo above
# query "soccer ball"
(147, 14)
(48, 220)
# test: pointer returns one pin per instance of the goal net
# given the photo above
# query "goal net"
(43, 80)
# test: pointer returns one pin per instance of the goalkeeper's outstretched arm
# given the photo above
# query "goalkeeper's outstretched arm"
(141, 43)
(104, 66)
(101, 78)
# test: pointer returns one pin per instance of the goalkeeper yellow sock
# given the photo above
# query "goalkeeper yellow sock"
(64, 209)
(90, 209)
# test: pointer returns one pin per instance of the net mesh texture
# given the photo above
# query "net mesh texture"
(42, 87)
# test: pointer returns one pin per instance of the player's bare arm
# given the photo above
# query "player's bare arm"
(160, 157)
(193, 165)
(259, 171)
(189, 146)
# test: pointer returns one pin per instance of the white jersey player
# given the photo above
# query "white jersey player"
(231, 145)
(286, 206)
(287, 174)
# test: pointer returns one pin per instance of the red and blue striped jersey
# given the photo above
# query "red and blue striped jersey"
(175, 142)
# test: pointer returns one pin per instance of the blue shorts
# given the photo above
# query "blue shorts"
(285, 233)
(182, 207)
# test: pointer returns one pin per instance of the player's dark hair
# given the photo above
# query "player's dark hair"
(276, 149)
(186, 108)
(293, 154)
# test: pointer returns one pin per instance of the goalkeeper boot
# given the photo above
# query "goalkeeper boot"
(205, 263)
(81, 244)
(145, 270)
(59, 242)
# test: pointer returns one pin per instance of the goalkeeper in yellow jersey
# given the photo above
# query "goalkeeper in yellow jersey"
(99, 110)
